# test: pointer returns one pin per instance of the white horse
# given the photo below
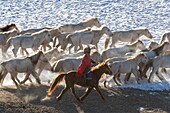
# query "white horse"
(159, 62)
(69, 64)
(165, 37)
(120, 51)
(21, 65)
(127, 36)
(4, 36)
(87, 37)
(53, 30)
(82, 25)
(32, 41)
(127, 66)
(62, 41)
(50, 55)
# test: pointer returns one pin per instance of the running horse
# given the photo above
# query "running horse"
(71, 78)
(127, 36)
(93, 21)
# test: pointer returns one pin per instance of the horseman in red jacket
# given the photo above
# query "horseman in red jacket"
(86, 64)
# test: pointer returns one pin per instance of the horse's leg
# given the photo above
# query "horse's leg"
(18, 80)
(127, 77)
(97, 89)
(35, 74)
(13, 78)
(141, 70)
(70, 48)
(143, 73)
(25, 79)
(160, 76)
(80, 47)
(3, 75)
(49, 47)
(118, 78)
(44, 47)
(26, 51)
(115, 77)
(74, 93)
(3, 52)
(96, 47)
(15, 50)
(75, 49)
(21, 51)
(54, 42)
(86, 94)
(151, 75)
(137, 74)
(62, 92)
(113, 42)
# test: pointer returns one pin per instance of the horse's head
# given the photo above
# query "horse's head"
(107, 31)
(166, 46)
(107, 69)
(96, 56)
(13, 33)
(147, 33)
(39, 56)
(48, 36)
(96, 22)
(102, 68)
(54, 32)
(141, 58)
(140, 45)
(153, 45)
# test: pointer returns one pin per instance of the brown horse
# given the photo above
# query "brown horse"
(71, 79)
(9, 27)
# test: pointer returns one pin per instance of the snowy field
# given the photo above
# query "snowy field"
(116, 14)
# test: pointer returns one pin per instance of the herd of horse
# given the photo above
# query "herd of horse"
(134, 58)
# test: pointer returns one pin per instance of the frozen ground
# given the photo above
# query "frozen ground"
(116, 14)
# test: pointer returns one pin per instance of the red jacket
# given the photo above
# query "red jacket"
(86, 62)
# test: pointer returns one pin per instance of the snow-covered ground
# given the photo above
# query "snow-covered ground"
(116, 14)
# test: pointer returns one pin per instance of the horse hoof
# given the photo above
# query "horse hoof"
(81, 99)
(58, 99)
(119, 84)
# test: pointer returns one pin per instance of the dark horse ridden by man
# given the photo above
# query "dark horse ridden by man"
(71, 78)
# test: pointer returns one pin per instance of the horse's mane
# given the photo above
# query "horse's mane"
(98, 66)
(158, 50)
(41, 31)
(88, 19)
(6, 27)
(140, 28)
(136, 55)
(34, 58)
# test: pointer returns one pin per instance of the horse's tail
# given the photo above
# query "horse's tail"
(147, 66)
(55, 83)
(163, 38)
(68, 39)
(56, 67)
(107, 42)
(104, 57)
